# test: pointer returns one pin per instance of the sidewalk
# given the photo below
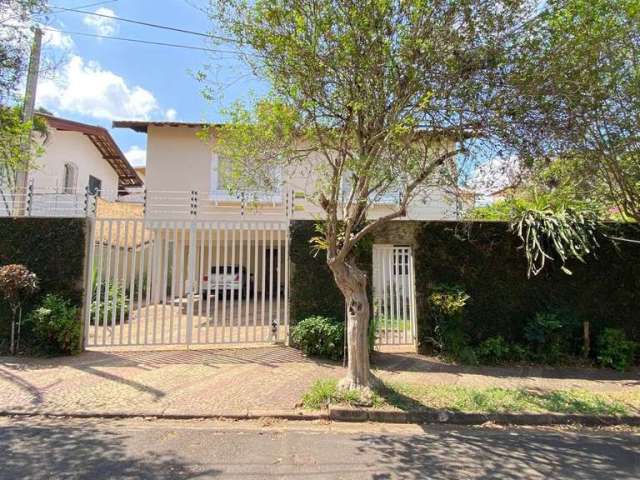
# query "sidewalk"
(211, 382)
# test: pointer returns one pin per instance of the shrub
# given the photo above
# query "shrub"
(107, 305)
(55, 326)
(552, 336)
(493, 350)
(615, 350)
(319, 336)
(447, 307)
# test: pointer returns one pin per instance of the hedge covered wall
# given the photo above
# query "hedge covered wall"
(483, 258)
(52, 248)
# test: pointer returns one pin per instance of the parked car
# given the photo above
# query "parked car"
(227, 279)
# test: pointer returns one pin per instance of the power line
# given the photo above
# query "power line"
(148, 24)
(146, 42)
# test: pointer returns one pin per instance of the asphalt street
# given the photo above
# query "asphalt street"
(36, 448)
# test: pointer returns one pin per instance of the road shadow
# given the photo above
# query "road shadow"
(465, 453)
(43, 453)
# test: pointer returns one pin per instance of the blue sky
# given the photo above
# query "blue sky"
(99, 80)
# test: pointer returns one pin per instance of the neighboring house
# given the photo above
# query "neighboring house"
(182, 170)
(77, 158)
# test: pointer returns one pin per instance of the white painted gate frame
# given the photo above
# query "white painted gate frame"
(101, 244)
(394, 295)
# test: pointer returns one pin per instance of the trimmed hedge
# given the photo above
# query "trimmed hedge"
(52, 248)
(485, 260)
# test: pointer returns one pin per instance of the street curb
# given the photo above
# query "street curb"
(458, 418)
(231, 415)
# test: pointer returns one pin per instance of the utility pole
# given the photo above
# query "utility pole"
(22, 176)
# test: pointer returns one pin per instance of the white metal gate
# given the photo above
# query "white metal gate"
(394, 295)
(185, 282)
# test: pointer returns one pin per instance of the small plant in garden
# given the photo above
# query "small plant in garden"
(447, 307)
(615, 350)
(494, 350)
(319, 336)
(103, 312)
(552, 336)
(56, 326)
(17, 284)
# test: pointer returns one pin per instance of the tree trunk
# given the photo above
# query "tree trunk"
(352, 282)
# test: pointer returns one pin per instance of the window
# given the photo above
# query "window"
(95, 185)
(221, 169)
(70, 177)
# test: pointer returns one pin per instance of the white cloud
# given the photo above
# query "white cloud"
(56, 39)
(85, 88)
(171, 114)
(137, 156)
(102, 25)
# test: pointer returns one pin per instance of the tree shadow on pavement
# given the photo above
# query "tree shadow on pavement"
(465, 453)
(36, 453)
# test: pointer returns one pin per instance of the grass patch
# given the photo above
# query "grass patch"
(325, 392)
(410, 397)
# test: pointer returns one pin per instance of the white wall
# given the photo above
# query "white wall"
(62, 147)
(179, 161)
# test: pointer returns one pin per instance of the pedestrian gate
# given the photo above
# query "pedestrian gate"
(184, 282)
(394, 308)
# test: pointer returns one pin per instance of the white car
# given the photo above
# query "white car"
(227, 279)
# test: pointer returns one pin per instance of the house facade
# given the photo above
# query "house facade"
(78, 161)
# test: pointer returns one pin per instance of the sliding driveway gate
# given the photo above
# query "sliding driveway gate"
(185, 282)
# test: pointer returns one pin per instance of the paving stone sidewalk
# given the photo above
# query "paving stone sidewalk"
(210, 382)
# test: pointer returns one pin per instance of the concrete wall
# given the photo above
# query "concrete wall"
(62, 147)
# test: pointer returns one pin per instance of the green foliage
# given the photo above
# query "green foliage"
(494, 350)
(113, 302)
(615, 350)
(325, 392)
(552, 336)
(55, 326)
(564, 234)
(447, 305)
(319, 336)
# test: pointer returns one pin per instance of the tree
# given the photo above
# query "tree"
(15, 42)
(13, 135)
(574, 98)
(383, 94)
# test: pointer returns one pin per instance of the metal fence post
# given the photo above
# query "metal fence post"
(29, 198)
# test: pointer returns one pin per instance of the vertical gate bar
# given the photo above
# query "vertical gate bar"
(165, 279)
(396, 280)
(286, 284)
(412, 296)
(224, 283)
(149, 275)
(376, 292)
(125, 266)
(155, 279)
(143, 234)
(174, 270)
(96, 316)
(115, 287)
(180, 281)
(271, 266)
(405, 316)
(256, 278)
(232, 294)
(247, 289)
(89, 279)
(107, 280)
(263, 275)
(200, 279)
(209, 230)
(132, 278)
(240, 277)
(217, 282)
(191, 278)
(278, 280)
(379, 258)
(389, 261)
